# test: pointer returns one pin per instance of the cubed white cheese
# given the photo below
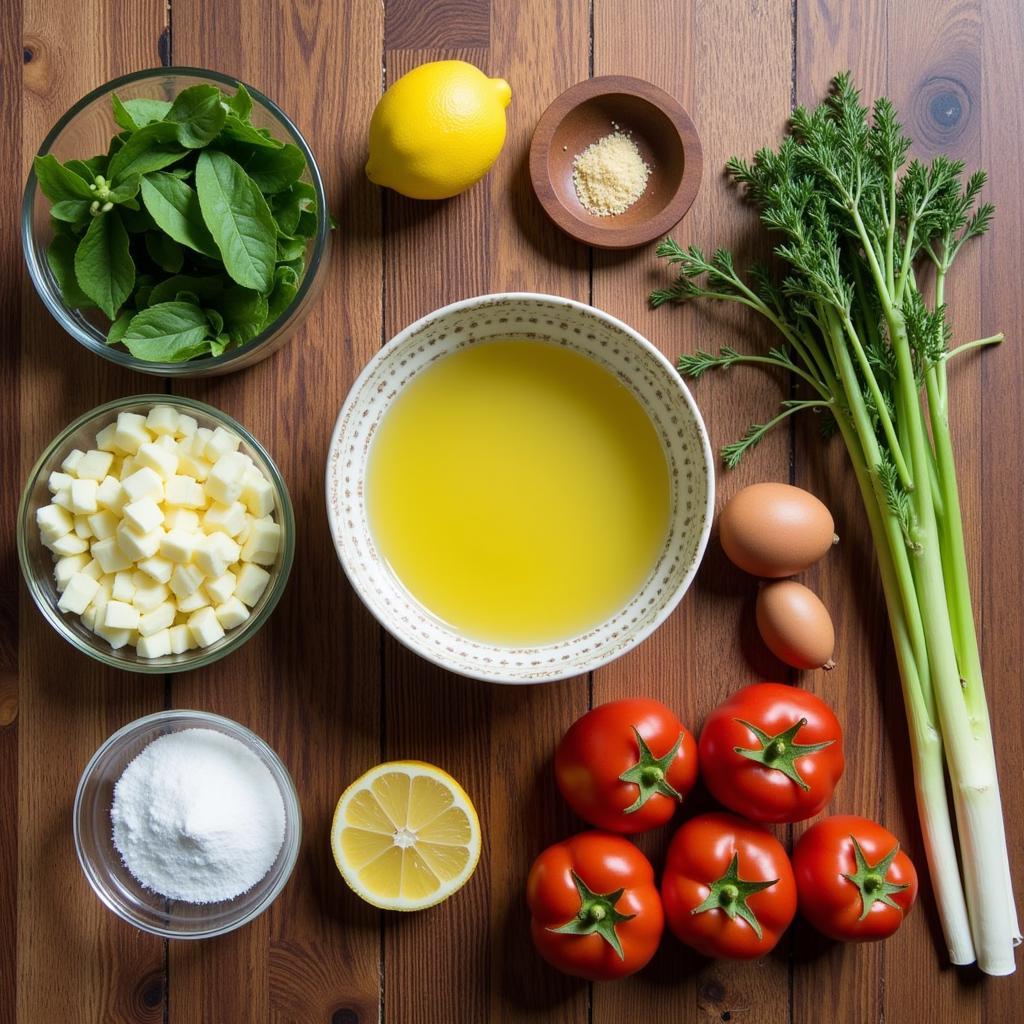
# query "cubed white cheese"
(187, 425)
(205, 627)
(221, 588)
(220, 443)
(117, 638)
(137, 545)
(262, 544)
(103, 524)
(66, 567)
(231, 613)
(143, 483)
(53, 522)
(121, 615)
(257, 493)
(190, 465)
(224, 484)
(177, 546)
(181, 639)
(83, 496)
(159, 618)
(197, 445)
(71, 460)
(82, 527)
(162, 419)
(185, 580)
(150, 594)
(110, 555)
(156, 645)
(143, 515)
(93, 568)
(185, 492)
(57, 481)
(124, 589)
(252, 581)
(214, 553)
(177, 518)
(131, 432)
(106, 440)
(127, 467)
(63, 498)
(158, 459)
(111, 495)
(229, 519)
(194, 601)
(72, 544)
(157, 568)
(89, 618)
(79, 591)
(94, 465)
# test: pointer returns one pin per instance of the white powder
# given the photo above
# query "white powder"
(197, 817)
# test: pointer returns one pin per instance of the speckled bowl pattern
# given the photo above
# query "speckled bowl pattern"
(612, 344)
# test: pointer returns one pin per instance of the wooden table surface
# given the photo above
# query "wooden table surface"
(335, 696)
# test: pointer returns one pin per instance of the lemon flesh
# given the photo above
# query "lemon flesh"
(437, 130)
(405, 836)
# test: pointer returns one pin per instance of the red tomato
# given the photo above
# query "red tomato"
(854, 882)
(728, 887)
(625, 766)
(772, 752)
(595, 907)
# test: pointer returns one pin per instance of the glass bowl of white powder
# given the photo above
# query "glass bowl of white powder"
(187, 825)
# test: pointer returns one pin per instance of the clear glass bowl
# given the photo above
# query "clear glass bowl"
(37, 561)
(87, 129)
(111, 880)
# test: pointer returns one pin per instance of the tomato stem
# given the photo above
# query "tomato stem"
(650, 773)
(730, 894)
(780, 752)
(597, 914)
(871, 880)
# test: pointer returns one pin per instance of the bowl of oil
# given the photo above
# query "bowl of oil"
(520, 487)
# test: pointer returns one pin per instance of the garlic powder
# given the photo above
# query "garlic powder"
(610, 175)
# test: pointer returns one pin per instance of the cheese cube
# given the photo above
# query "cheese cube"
(156, 645)
(190, 465)
(124, 589)
(110, 494)
(103, 524)
(181, 639)
(116, 468)
(120, 615)
(252, 581)
(71, 544)
(214, 553)
(57, 481)
(229, 519)
(79, 591)
(93, 568)
(205, 627)
(117, 638)
(224, 483)
(110, 555)
(231, 613)
(71, 460)
(187, 425)
(158, 459)
(257, 493)
(131, 432)
(137, 545)
(89, 618)
(220, 589)
(177, 546)
(83, 496)
(159, 618)
(94, 465)
(262, 543)
(127, 467)
(157, 568)
(63, 498)
(66, 567)
(162, 419)
(185, 492)
(220, 443)
(243, 535)
(106, 440)
(185, 580)
(186, 520)
(150, 594)
(82, 527)
(193, 602)
(143, 515)
(197, 444)
(143, 483)
(53, 522)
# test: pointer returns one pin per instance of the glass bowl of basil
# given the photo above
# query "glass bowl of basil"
(174, 222)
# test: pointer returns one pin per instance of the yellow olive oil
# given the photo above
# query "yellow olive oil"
(519, 492)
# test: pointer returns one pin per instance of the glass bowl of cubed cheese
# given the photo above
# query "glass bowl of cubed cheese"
(155, 534)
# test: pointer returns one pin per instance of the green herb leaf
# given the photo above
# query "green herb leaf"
(241, 131)
(290, 248)
(216, 322)
(126, 191)
(164, 252)
(145, 111)
(137, 221)
(245, 313)
(103, 265)
(274, 170)
(174, 206)
(286, 286)
(57, 182)
(241, 103)
(288, 204)
(72, 211)
(169, 332)
(122, 115)
(60, 255)
(199, 114)
(87, 169)
(239, 220)
(209, 289)
(150, 149)
(119, 326)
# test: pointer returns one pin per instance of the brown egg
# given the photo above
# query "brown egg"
(795, 625)
(775, 530)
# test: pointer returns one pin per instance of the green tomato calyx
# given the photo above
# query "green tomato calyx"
(597, 914)
(780, 751)
(730, 894)
(871, 882)
(650, 773)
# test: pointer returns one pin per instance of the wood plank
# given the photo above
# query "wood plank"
(309, 682)
(74, 957)
(715, 84)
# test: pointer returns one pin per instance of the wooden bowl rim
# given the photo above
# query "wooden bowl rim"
(612, 237)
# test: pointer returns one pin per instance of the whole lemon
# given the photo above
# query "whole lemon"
(437, 130)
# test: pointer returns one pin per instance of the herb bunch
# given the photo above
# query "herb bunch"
(868, 345)
(189, 234)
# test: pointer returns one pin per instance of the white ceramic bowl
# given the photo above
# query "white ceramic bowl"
(620, 349)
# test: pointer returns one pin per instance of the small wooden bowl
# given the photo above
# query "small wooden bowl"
(662, 131)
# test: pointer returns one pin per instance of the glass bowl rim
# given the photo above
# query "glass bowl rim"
(253, 741)
(244, 632)
(60, 311)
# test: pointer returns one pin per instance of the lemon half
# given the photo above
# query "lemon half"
(405, 836)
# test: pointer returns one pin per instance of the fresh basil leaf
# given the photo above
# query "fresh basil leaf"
(245, 313)
(150, 149)
(286, 286)
(57, 182)
(73, 211)
(186, 296)
(122, 115)
(169, 332)
(103, 265)
(115, 147)
(241, 103)
(287, 205)
(119, 326)
(289, 248)
(199, 114)
(216, 322)
(239, 220)
(145, 111)
(174, 206)
(137, 221)
(182, 173)
(143, 293)
(241, 131)
(275, 169)
(164, 252)
(219, 344)
(209, 289)
(306, 228)
(60, 255)
(126, 191)
(87, 169)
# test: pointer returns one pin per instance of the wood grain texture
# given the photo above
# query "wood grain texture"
(325, 687)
